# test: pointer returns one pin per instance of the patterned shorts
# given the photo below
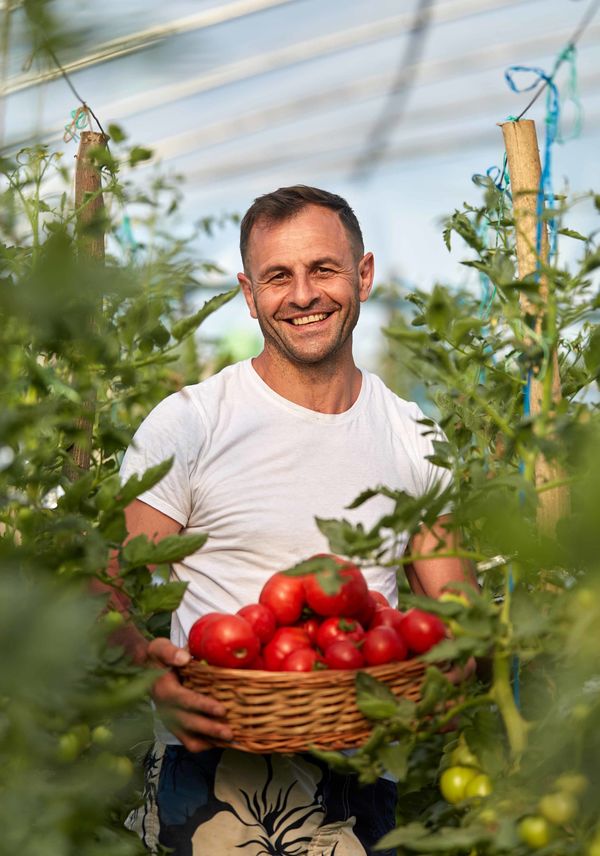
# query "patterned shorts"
(222, 802)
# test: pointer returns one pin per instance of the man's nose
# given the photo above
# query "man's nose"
(304, 290)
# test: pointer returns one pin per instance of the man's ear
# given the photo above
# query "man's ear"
(366, 272)
(246, 286)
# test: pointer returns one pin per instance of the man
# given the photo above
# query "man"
(259, 451)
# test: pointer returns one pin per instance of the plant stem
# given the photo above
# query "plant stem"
(502, 691)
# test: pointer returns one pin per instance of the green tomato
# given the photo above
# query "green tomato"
(101, 734)
(534, 831)
(488, 816)
(480, 786)
(593, 848)
(453, 782)
(559, 808)
(572, 783)
(461, 755)
(453, 597)
(114, 619)
(68, 747)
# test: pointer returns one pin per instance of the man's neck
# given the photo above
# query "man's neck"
(327, 388)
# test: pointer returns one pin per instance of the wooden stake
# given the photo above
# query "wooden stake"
(90, 208)
(524, 168)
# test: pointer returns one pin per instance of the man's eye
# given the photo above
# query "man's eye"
(278, 277)
(322, 270)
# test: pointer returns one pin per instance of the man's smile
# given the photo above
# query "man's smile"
(309, 319)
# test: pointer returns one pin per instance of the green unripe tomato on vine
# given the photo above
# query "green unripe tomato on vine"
(558, 808)
(534, 831)
(593, 848)
(571, 783)
(462, 756)
(479, 787)
(453, 597)
(454, 781)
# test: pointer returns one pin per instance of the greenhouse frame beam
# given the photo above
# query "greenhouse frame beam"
(144, 39)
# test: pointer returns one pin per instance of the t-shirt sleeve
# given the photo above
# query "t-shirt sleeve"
(175, 430)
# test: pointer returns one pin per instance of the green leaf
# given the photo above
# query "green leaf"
(139, 154)
(347, 539)
(415, 837)
(325, 568)
(187, 325)
(116, 133)
(76, 492)
(394, 757)
(591, 354)
(439, 310)
(140, 551)
(435, 688)
(373, 698)
(136, 485)
(165, 597)
(571, 233)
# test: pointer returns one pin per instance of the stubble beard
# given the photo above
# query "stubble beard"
(323, 353)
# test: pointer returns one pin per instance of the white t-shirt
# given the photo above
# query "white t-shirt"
(253, 470)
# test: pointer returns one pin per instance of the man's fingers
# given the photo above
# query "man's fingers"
(168, 692)
(459, 674)
(193, 726)
(162, 652)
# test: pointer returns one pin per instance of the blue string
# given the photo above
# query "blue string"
(125, 236)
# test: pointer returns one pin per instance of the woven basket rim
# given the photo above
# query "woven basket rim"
(222, 671)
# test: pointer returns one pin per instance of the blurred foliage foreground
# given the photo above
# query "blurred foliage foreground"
(81, 338)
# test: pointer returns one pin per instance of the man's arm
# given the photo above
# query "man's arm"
(192, 717)
(430, 575)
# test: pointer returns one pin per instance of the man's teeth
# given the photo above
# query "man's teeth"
(309, 319)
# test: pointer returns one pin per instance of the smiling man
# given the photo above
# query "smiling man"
(260, 450)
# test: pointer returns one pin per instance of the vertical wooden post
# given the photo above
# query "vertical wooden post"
(90, 207)
(524, 168)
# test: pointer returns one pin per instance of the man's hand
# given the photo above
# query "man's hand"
(193, 718)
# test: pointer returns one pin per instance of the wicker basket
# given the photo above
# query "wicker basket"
(296, 711)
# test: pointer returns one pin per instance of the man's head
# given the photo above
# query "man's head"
(287, 202)
(305, 274)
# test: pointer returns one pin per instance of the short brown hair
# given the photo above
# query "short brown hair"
(282, 204)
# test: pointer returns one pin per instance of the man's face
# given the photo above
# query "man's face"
(304, 285)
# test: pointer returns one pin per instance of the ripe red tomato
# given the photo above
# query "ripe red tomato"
(380, 599)
(261, 619)
(258, 663)
(421, 630)
(350, 597)
(387, 616)
(343, 655)
(285, 640)
(383, 645)
(196, 631)
(311, 625)
(284, 596)
(336, 628)
(301, 660)
(229, 641)
(365, 614)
